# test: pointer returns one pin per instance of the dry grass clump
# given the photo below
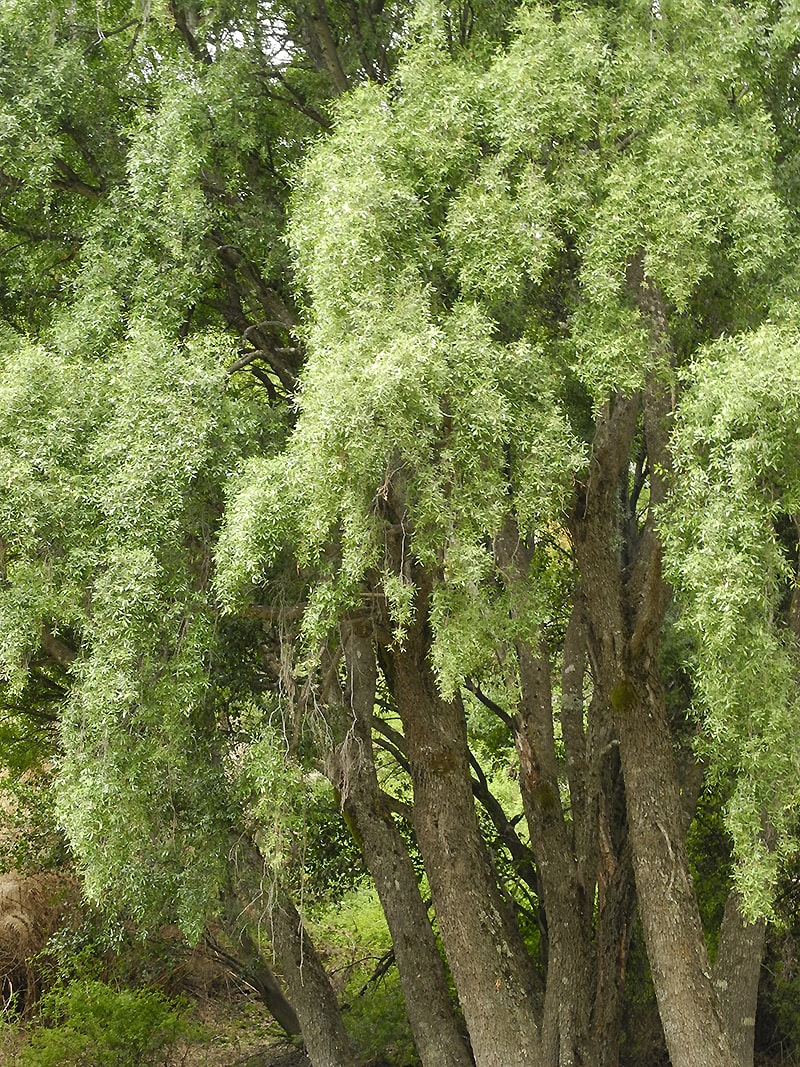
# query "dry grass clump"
(31, 909)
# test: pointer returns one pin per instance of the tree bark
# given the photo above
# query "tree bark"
(351, 768)
(318, 15)
(626, 597)
(737, 969)
(673, 932)
(586, 890)
(491, 969)
(324, 1035)
(252, 966)
(566, 1038)
(616, 907)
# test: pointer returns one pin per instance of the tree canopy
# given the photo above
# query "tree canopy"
(414, 389)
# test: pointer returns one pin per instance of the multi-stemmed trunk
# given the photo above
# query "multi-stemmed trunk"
(584, 862)
(351, 768)
(626, 599)
(490, 966)
(585, 894)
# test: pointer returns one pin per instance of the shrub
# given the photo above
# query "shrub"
(89, 1024)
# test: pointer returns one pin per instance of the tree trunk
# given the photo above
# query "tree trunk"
(251, 965)
(351, 768)
(626, 597)
(736, 973)
(616, 908)
(326, 1041)
(673, 933)
(566, 1037)
(491, 969)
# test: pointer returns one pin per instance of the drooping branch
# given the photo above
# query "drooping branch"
(249, 964)
(102, 35)
(242, 278)
(521, 855)
(10, 226)
(393, 742)
(72, 182)
(296, 100)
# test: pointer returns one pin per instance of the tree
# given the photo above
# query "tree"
(528, 353)
(131, 176)
(510, 263)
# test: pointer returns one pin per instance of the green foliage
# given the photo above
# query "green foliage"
(709, 846)
(412, 241)
(466, 245)
(88, 1022)
(114, 470)
(468, 239)
(630, 138)
(377, 1024)
(332, 861)
(738, 467)
(125, 165)
(289, 808)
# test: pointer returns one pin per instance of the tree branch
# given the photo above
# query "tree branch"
(322, 31)
(187, 33)
(297, 101)
(521, 855)
(73, 183)
(475, 689)
(56, 649)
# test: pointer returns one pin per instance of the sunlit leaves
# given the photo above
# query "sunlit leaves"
(691, 188)
(545, 85)
(430, 232)
(496, 269)
(738, 452)
(464, 244)
(112, 475)
(357, 222)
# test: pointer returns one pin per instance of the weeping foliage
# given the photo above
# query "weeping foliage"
(129, 170)
(729, 532)
(462, 247)
(114, 469)
(465, 241)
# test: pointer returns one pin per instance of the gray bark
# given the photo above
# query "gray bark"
(324, 1035)
(668, 907)
(626, 598)
(490, 966)
(737, 969)
(351, 768)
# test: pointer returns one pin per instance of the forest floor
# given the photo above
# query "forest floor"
(240, 1033)
(237, 1032)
